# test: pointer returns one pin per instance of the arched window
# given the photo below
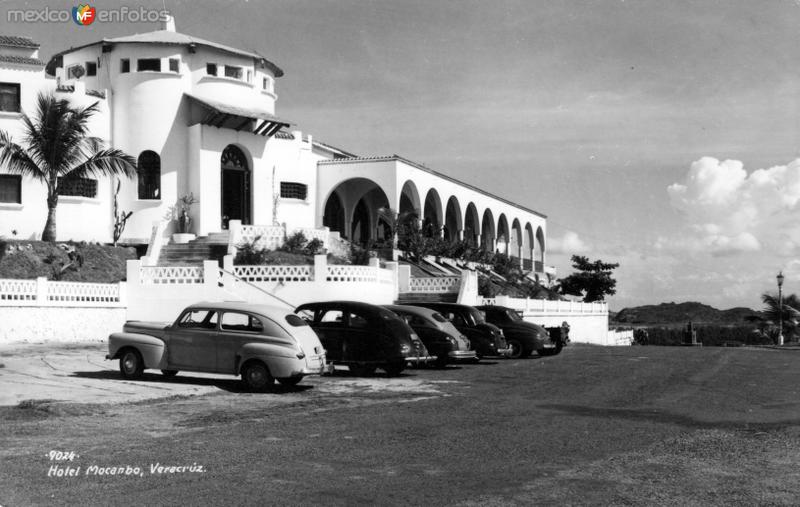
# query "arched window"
(148, 169)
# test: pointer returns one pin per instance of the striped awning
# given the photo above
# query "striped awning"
(222, 115)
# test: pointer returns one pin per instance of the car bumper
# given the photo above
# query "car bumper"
(505, 352)
(462, 354)
(420, 359)
(320, 370)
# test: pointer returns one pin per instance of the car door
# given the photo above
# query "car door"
(192, 341)
(329, 324)
(235, 330)
(360, 338)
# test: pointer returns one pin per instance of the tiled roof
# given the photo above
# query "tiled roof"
(170, 37)
(398, 158)
(15, 41)
(20, 59)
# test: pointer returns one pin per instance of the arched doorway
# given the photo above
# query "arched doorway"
(361, 224)
(333, 218)
(472, 230)
(235, 186)
(452, 220)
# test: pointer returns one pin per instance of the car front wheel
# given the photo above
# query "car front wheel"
(517, 350)
(130, 364)
(256, 376)
(394, 369)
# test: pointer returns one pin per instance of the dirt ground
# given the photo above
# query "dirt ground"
(602, 426)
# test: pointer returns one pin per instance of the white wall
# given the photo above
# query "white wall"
(59, 324)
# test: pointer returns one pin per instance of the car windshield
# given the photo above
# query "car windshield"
(513, 315)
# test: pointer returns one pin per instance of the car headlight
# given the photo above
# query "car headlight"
(405, 348)
(452, 340)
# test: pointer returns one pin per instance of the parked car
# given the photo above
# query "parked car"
(486, 339)
(364, 337)
(523, 337)
(439, 335)
(260, 343)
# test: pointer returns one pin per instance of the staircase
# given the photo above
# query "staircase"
(211, 247)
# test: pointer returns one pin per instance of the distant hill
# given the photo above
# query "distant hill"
(681, 313)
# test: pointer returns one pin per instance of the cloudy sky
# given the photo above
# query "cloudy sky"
(660, 135)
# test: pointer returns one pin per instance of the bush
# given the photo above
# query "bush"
(359, 256)
(313, 247)
(295, 243)
(248, 253)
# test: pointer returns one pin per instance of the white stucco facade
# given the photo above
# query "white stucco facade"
(217, 138)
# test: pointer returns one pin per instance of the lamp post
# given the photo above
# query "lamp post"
(780, 308)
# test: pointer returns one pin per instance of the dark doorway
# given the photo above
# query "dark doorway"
(235, 186)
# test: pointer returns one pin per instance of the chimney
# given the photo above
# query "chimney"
(169, 23)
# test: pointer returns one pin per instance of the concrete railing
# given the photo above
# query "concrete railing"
(544, 305)
(44, 292)
(435, 284)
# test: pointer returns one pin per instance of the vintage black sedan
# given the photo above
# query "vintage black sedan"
(364, 337)
(523, 337)
(486, 339)
(438, 334)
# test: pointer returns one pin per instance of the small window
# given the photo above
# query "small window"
(234, 321)
(249, 76)
(148, 171)
(11, 188)
(290, 190)
(199, 319)
(174, 65)
(9, 97)
(148, 64)
(267, 84)
(91, 68)
(332, 316)
(77, 187)
(75, 71)
(358, 321)
(124, 65)
(234, 72)
(211, 69)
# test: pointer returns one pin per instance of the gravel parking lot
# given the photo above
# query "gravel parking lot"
(637, 425)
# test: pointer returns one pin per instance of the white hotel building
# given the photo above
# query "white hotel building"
(200, 118)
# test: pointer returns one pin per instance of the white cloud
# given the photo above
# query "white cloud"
(570, 243)
(728, 211)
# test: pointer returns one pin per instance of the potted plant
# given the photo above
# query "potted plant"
(184, 219)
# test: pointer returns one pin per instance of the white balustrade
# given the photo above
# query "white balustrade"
(170, 275)
(18, 290)
(435, 284)
(344, 273)
(275, 273)
(546, 306)
(44, 292)
(77, 292)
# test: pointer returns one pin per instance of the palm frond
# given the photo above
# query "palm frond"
(14, 158)
(106, 162)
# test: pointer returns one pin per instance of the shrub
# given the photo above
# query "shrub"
(359, 256)
(295, 243)
(708, 335)
(313, 247)
(248, 253)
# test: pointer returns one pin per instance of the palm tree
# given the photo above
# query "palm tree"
(790, 313)
(58, 145)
